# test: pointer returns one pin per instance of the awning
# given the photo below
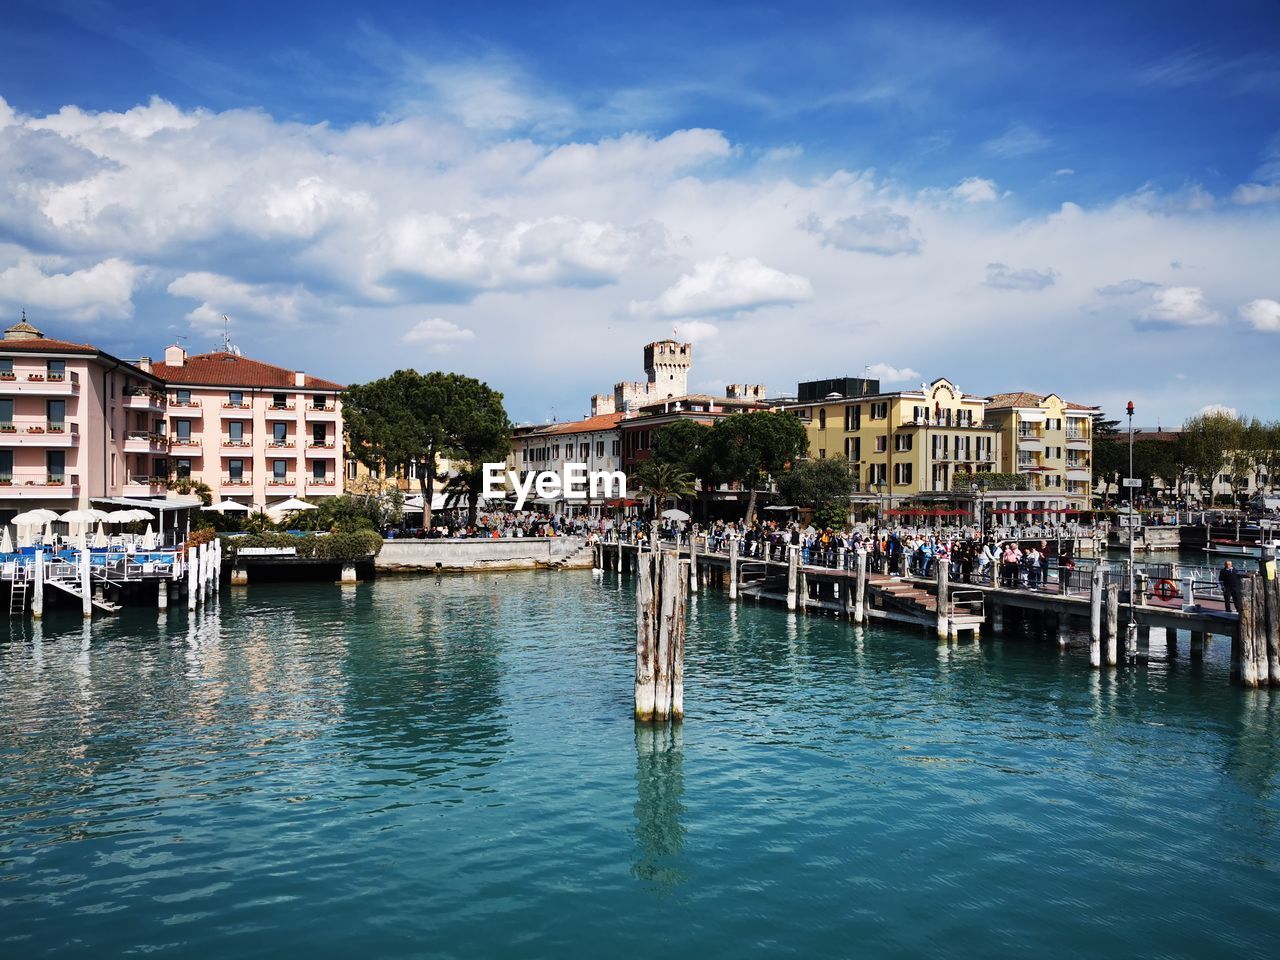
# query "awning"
(160, 503)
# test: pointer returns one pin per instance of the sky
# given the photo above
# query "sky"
(1073, 198)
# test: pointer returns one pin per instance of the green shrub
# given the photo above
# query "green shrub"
(338, 547)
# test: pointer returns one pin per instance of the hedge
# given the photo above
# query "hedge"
(961, 482)
(339, 547)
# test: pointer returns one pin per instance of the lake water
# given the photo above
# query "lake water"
(448, 768)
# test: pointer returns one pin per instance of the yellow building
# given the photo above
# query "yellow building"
(1049, 439)
(904, 443)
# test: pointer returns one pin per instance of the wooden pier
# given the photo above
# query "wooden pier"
(951, 611)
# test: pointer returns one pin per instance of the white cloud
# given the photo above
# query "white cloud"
(975, 190)
(1003, 277)
(1212, 408)
(102, 291)
(227, 296)
(725, 285)
(1248, 194)
(695, 330)
(1018, 141)
(1262, 315)
(879, 231)
(1064, 172)
(1180, 307)
(438, 333)
(1126, 288)
(887, 374)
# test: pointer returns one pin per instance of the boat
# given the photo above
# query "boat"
(1240, 548)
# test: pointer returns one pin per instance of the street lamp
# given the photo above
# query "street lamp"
(980, 492)
(1131, 637)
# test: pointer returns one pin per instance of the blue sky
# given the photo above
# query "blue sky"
(1078, 198)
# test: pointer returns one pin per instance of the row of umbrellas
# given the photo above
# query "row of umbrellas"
(292, 505)
(84, 518)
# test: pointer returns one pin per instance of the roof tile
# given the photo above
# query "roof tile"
(222, 369)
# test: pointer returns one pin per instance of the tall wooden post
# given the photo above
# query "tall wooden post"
(1197, 644)
(1095, 618)
(733, 568)
(86, 590)
(1271, 593)
(693, 561)
(37, 597)
(192, 590)
(660, 620)
(793, 561)
(1113, 625)
(860, 588)
(1244, 649)
(944, 620)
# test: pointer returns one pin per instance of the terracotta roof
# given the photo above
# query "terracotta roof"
(46, 345)
(605, 421)
(1006, 401)
(221, 369)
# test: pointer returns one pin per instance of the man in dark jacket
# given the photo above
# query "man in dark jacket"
(1229, 577)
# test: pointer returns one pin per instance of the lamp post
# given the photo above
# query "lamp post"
(879, 485)
(980, 492)
(1131, 637)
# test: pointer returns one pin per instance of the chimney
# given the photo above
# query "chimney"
(299, 379)
(144, 364)
(175, 356)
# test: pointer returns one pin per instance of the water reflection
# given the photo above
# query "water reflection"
(659, 788)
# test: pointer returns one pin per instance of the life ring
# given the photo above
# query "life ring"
(1165, 589)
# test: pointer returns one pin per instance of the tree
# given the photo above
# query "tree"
(1207, 439)
(682, 444)
(825, 485)
(747, 448)
(410, 417)
(662, 482)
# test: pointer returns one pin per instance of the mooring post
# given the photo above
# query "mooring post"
(653, 536)
(191, 579)
(37, 597)
(1064, 624)
(660, 617)
(1144, 638)
(646, 634)
(1095, 617)
(86, 591)
(677, 651)
(1112, 631)
(944, 619)
(162, 595)
(1244, 647)
(1270, 587)
(793, 561)
(1197, 644)
(860, 588)
(693, 560)
(733, 568)
(669, 586)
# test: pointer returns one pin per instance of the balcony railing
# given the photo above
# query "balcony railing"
(321, 481)
(1077, 434)
(228, 405)
(188, 441)
(280, 481)
(21, 481)
(243, 480)
(242, 442)
(1026, 430)
(40, 383)
(281, 444)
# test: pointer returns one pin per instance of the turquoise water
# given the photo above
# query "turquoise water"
(448, 768)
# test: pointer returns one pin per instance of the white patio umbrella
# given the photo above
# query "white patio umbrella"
(227, 506)
(6, 542)
(122, 516)
(35, 518)
(83, 516)
(293, 504)
(48, 534)
(149, 539)
(100, 538)
(674, 514)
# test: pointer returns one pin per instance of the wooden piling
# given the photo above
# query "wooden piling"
(1197, 644)
(733, 568)
(1271, 593)
(860, 587)
(1095, 618)
(793, 563)
(86, 589)
(1112, 625)
(944, 621)
(1244, 646)
(693, 562)
(37, 595)
(660, 620)
(192, 590)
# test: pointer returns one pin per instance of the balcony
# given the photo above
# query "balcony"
(322, 451)
(145, 487)
(41, 485)
(323, 414)
(39, 384)
(244, 443)
(140, 441)
(319, 483)
(287, 412)
(185, 443)
(237, 411)
(186, 408)
(244, 480)
(286, 444)
(274, 481)
(40, 435)
(144, 401)
(1079, 473)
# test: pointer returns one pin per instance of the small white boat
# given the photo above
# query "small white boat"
(1240, 548)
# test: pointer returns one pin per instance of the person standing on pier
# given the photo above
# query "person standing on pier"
(1230, 580)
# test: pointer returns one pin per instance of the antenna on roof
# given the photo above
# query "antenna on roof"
(227, 345)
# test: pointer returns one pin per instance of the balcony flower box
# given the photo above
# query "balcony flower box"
(36, 377)
(6, 481)
(8, 428)
(235, 443)
(280, 443)
(278, 482)
(235, 406)
(57, 428)
(55, 481)
(56, 377)
(35, 429)
(242, 482)
(8, 376)
(320, 446)
(281, 406)
(313, 482)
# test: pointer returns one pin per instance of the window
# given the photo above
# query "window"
(599, 448)
(351, 470)
(902, 473)
(182, 396)
(853, 418)
(882, 444)
(617, 448)
(318, 434)
(903, 441)
(56, 411)
(318, 402)
(853, 449)
(57, 370)
(182, 429)
(182, 468)
(235, 398)
(822, 419)
(279, 432)
(279, 400)
(880, 410)
(6, 367)
(6, 465)
(822, 454)
(6, 412)
(279, 469)
(235, 431)
(584, 451)
(56, 465)
(317, 469)
(235, 469)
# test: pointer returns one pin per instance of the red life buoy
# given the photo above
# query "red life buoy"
(1165, 589)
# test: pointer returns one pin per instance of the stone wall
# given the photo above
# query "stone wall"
(516, 553)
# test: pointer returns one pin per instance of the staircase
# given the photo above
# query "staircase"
(73, 587)
(903, 596)
(561, 562)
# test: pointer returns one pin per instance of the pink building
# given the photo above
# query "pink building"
(76, 424)
(254, 432)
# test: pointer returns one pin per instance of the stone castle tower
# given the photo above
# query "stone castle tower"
(666, 367)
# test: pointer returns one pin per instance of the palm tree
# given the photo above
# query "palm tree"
(662, 482)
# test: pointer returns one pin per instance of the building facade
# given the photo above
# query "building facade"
(905, 443)
(253, 432)
(595, 441)
(76, 424)
(1049, 440)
